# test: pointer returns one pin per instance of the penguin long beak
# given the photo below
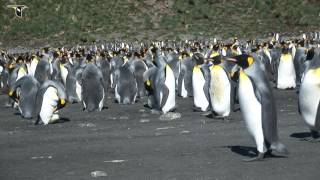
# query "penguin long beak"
(231, 59)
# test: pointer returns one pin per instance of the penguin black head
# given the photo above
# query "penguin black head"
(217, 60)
(244, 60)
(310, 54)
(89, 57)
(199, 59)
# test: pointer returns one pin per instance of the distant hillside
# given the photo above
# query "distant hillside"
(69, 21)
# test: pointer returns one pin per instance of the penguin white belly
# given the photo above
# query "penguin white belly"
(184, 92)
(251, 111)
(64, 74)
(33, 66)
(286, 73)
(309, 97)
(79, 91)
(101, 102)
(111, 80)
(49, 105)
(170, 83)
(1, 69)
(21, 73)
(116, 93)
(220, 90)
(199, 97)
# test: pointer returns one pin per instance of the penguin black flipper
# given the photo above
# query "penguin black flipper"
(180, 79)
(165, 94)
(256, 92)
(206, 73)
(317, 123)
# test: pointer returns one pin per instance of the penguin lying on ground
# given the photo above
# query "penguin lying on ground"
(50, 98)
(24, 92)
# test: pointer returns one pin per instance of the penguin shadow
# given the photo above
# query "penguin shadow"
(61, 120)
(251, 152)
(301, 135)
(243, 150)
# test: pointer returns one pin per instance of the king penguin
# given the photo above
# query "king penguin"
(50, 98)
(309, 95)
(258, 106)
(93, 91)
(126, 88)
(24, 91)
(286, 72)
(220, 89)
(200, 84)
(161, 81)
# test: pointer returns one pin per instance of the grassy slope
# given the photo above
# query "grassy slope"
(69, 21)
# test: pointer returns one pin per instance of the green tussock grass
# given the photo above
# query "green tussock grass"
(60, 21)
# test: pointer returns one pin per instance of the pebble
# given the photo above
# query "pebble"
(87, 125)
(144, 120)
(170, 116)
(184, 132)
(98, 174)
(123, 117)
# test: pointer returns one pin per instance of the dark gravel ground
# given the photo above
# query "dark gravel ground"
(190, 147)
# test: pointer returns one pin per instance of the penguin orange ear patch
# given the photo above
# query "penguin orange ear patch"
(62, 102)
(10, 93)
(250, 60)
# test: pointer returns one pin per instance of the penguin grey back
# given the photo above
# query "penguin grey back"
(28, 86)
(42, 72)
(93, 89)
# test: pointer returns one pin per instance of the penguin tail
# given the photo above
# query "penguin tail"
(279, 148)
(126, 100)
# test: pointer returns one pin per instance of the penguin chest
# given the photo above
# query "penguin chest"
(64, 74)
(21, 72)
(286, 72)
(198, 82)
(49, 104)
(220, 90)
(251, 109)
(79, 90)
(309, 97)
(33, 66)
(170, 84)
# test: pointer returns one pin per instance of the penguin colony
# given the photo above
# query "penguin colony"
(221, 77)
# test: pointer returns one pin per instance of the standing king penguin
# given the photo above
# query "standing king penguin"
(258, 106)
(200, 84)
(286, 72)
(160, 83)
(309, 95)
(220, 89)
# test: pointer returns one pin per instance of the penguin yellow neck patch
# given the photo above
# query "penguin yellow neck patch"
(22, 70)
(286, 57)
(243, 76)
(317, 72)
(214, 54)
(215, 67)
(196, 69)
